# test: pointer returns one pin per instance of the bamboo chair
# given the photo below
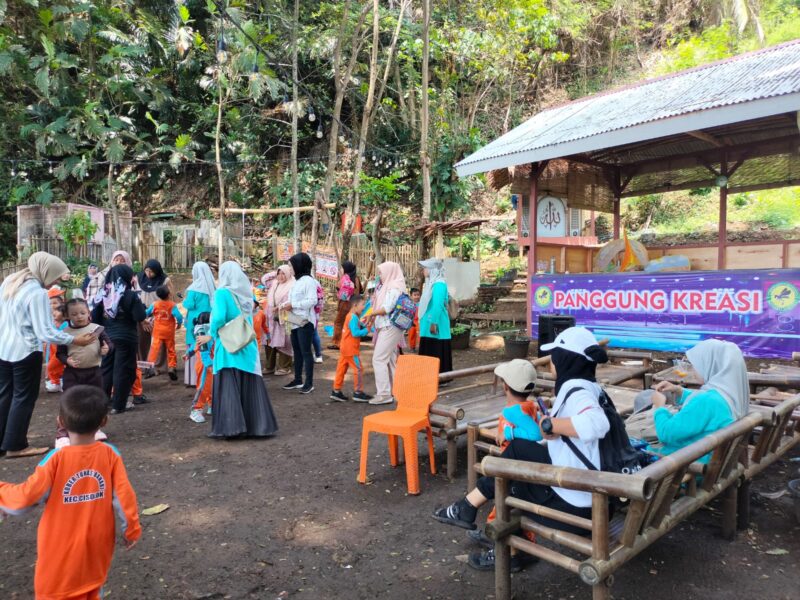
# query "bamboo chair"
(416, 383)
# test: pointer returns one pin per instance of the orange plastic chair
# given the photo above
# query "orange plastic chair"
(416, 383)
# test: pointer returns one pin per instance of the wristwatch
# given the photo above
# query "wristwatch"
(547, 426)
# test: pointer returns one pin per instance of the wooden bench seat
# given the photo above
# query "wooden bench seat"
(660, 496)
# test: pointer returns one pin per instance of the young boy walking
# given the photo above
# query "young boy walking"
(350, 354)
(166, 319)
(81, 486)
(413, 333)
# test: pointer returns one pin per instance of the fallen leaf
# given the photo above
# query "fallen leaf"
(155, 510)
(777, 552)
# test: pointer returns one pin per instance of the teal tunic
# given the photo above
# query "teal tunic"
(436, 313)
(225, 310)
(706, 412)
(195, 303)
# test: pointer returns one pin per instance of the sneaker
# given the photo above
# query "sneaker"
(208, 410)
(307, 389)
(173, 374)
(197, 416)
(376, 401)
(318, 360)
(451, 515)
(149, 374)
(52, 388)
(338, 396)
(117, 411)
(141, 399)
(480, 538)
(130, 405)
(282, 372)
(293, 385)
(483, 560)
(361, 397)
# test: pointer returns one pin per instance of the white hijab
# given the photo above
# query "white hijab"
(203, 280)
(722, 367)
(436, 273)
(233, 279)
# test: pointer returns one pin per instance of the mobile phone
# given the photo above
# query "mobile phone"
(98, 331)
(542, 406)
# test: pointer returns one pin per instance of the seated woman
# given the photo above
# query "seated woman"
(576, 415)
(723, 398)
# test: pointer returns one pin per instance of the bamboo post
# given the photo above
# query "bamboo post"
(452, 449)
(502, 551)
(473, 430)
(729, 512)
(743, 506)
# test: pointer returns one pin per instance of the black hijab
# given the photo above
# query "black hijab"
(301, 264)
(151, 284)
(349, 269)
(570, 365)
(121, 273)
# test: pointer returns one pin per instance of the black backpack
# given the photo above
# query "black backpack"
(616, 453)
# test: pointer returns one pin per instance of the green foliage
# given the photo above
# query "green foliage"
(381, 192)
(76, 229)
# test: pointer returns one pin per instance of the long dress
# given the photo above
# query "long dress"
(437, 344)
(240, 403)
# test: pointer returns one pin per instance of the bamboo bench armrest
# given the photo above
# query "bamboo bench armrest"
(452, 412)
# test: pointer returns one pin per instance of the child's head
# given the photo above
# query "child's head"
(92, 270)
(163, 293)
(204, 318)
(78, 312)
(357, 303)
(519, 378)
(415, 294)
(83, 409)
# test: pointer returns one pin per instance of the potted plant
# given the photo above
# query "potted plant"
(459, 336)
(517, 346)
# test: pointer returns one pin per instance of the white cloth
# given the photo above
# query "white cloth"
(233, 279)
(389, 302)
(722, 367)
(26, 322)
(303, 298)
(590, 423)
(203, 281)
(436, 273)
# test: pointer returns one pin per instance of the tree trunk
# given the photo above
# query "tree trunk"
(220, 175)
(318, 202)
(425, 161)
(295, 190)
(376, 236)
(112, 201)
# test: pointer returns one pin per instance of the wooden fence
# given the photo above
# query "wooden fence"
(96, 252)
(8, 268)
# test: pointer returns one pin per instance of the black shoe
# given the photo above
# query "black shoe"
(479, 537)
(149, 373)
(307, 389)
(361, 397)
(451, 515)
(293, 385)
(141, 399)
(483, 560)
(116, 411)
(338, 396)
(173, 375)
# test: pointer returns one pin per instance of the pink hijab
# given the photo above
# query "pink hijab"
(392, 278)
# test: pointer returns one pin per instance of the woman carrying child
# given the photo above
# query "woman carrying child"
(121, 313)
(198, 300)
(279, 347)
(349, 285)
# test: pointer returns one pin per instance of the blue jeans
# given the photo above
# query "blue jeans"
(317, 343)
(302, 341)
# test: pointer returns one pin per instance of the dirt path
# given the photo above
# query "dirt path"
(285, 517)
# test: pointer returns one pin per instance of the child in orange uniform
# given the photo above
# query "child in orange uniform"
(167, 318)
(350, 354)
(80, 485)
(55, 368)
(204, 368)
(413, 333)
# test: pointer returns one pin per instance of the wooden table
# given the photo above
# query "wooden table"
(691, 379)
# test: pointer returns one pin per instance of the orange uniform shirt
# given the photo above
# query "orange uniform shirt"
(81, 486)
(350, 344)
(164, 321)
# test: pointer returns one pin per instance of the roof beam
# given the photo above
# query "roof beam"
(706, 137)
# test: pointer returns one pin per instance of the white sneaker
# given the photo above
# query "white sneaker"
(197, 416)
(318, 360)
(208, 410)
(52, 388)
(99, 436)
(130, 405)
(375, 401)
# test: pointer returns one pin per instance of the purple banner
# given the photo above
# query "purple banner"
(757, 310)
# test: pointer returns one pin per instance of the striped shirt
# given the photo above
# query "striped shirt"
(26, 322)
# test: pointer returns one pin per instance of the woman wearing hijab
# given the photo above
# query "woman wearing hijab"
(198, 300)
(434, 320)
(25, 323)
(120, 312)
(723, 398)
(388, 338)
(150, 279)
(240, 403)
(279, 347)
(576, 415)
(302, 320)
(349, 284)
(120, 257)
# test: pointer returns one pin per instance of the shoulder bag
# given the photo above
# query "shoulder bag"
(238, 332)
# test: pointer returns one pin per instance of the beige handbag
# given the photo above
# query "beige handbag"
(238, 332)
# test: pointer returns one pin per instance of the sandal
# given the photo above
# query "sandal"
(452, 516)
(26, 452)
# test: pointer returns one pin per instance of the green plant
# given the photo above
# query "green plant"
(460, 328)
(76, 229)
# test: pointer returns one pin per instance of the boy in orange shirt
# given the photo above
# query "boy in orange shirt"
(167, 318)
(81, 485)
(413, 333)
(350, 354)
(204, 368)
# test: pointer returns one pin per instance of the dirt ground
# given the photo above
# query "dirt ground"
(285, 517)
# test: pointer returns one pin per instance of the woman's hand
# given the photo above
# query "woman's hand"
(73, 362)
(84, 339)
(104, 349)
(659, 399)
(434, 329)
(668, 388)
(147, 325)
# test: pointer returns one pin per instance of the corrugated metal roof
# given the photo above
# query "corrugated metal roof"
(744, 87)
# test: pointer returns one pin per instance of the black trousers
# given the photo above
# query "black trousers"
(537, 494)
(91, 376)
(19, 388)
(119, 372)
(302, 341)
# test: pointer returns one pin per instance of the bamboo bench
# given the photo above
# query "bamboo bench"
(660, 497)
